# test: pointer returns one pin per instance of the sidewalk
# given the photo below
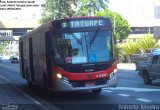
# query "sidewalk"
(128, 66)
(12, 98)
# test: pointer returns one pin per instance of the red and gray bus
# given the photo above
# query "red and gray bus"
(70, 54)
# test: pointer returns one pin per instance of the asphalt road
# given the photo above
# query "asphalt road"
(130, 90)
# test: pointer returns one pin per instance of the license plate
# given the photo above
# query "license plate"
(90, 84)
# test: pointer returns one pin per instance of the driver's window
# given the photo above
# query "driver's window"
(155, 59)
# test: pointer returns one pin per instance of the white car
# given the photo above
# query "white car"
(14, 58)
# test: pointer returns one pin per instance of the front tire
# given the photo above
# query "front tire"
(146, 78)
(29, 83)
(45, 87)
(96, 91)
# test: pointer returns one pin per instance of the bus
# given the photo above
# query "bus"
(71, 54)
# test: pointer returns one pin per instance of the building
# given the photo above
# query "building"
(143, 15)
(15, 23)
(11, 30)
(12, 26)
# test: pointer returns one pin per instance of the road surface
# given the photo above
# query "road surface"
(130, 90)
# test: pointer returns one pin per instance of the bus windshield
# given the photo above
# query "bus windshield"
(83, 47)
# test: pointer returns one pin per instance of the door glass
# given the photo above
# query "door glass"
(155, 59)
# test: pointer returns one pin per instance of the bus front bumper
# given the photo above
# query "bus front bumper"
(63, 86)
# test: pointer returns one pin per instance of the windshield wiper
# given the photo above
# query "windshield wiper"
(95, 35)
(74, 36)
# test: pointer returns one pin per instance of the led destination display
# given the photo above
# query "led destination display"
(83, 23)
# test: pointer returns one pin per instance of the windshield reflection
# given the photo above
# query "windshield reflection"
(83, 47)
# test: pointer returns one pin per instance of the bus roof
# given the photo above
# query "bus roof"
(84, 17)
(49, 24)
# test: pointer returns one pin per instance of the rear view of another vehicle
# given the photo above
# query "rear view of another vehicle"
(14, 59)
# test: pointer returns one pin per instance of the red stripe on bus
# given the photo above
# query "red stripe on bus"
(86, 76)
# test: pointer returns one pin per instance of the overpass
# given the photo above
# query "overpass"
(11, 30)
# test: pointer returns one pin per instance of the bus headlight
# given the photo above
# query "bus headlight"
(63, 78)
(59, 75)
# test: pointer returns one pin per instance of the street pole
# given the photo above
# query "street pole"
(114, 22)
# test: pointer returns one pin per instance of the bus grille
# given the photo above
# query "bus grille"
(82, 83)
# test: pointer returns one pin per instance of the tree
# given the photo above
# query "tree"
(90, 7)
(1, 49)
(129, 48)
(147, 42)
(3, 45)
(119, 52)
(58, 9)
(122, 27)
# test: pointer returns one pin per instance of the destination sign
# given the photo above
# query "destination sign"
(83, 23)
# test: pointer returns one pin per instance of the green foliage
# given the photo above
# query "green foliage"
(147, 42)
(1, 49)
(131, 47)
(119, 52)
(58, 9)
(125, 50)
(2, 45)
(134, 47)
(90, 7)
(122, 27)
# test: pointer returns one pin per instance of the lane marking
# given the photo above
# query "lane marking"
(124, 95)
(144, 100)
(26, 95)
(134, 89)
(108, 91)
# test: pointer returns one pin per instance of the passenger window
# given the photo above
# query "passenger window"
(155, 59)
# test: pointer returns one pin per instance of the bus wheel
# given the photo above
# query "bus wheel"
(29, 83)
(45, 88)
(44, 83)
(96, 91)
